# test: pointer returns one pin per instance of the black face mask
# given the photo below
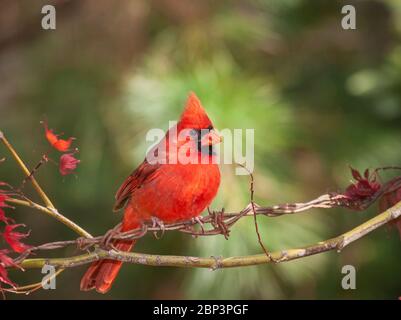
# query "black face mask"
(198, 134)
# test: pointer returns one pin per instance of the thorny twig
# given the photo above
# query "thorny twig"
(337, 243)
(50, 209)
(220, 222)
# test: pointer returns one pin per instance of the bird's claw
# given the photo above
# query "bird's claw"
(156, 222)
(108, 237)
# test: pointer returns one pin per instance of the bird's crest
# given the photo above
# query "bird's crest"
(194, 115)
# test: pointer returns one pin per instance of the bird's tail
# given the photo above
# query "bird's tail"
(101, 274)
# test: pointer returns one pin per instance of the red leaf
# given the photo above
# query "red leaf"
(2, 213)
(364, 187)
(68, 163)
(13, 238)
(63, 145)
(59, 144)
(355, 173)
(3, 199)
(5, 260)
(3, 217)
(50, 136)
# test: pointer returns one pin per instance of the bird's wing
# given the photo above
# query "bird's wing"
(144, 173)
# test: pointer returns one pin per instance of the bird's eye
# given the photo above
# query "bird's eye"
(193, 133)
(210, 127)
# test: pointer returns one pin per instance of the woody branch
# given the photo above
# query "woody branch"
(50, 209)
(337, 243)
(218, 222)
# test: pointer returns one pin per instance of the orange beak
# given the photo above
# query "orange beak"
(211, 138)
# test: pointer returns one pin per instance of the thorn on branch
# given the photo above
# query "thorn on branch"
(82, 244)
(219, 224)
(190, 228)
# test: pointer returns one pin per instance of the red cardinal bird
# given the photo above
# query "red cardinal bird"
(165, 192)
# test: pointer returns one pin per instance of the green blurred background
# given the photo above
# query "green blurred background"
(319, 98)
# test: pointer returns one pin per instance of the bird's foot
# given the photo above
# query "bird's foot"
(156, 222)
(108, 237)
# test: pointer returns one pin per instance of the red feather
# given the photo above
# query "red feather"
(140, 175)
(169, 192)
